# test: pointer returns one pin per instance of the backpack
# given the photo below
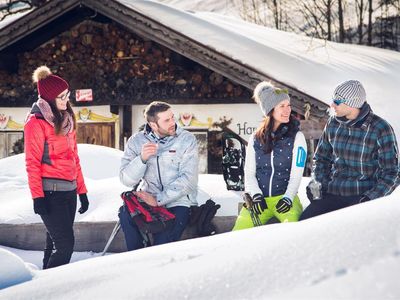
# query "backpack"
(148, 219)
(201, 217)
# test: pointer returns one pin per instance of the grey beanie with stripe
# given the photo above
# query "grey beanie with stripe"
(269, 96)
(352, 92)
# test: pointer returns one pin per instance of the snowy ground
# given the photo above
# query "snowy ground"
(352, 253)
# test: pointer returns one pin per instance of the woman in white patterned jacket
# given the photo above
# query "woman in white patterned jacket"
(275, 159)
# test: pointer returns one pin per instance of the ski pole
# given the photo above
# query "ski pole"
(112, 236)
(255, 218)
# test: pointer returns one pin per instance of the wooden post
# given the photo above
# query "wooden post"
(121, 127)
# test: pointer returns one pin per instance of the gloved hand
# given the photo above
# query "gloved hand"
(39, 206)
(363, 199)
(284, 205)
(259, 203)
(84, 203)
(314, 190)
(309, 194)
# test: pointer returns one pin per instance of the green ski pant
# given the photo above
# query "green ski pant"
(244, 221)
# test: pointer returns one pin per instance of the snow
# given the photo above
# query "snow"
(12, 18)
(225, 7)
(350, 253)
(13, 269)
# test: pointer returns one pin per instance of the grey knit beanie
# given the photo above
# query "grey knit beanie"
(352, 91)
(268, 96)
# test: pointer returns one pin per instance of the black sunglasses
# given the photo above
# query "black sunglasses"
(65, 96)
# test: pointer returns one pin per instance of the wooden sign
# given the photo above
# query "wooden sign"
(84, 95)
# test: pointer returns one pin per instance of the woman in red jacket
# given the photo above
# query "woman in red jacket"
(52, 163)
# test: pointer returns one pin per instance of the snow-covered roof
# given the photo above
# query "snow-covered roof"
(13, 17)
(310, 65)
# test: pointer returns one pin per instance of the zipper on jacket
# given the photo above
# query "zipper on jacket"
(358, 189)
(272, 173)
(362, 153)
(159, 175)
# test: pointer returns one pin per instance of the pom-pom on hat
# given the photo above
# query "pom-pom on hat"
(351, 92)
(49, 86)
(268, 96)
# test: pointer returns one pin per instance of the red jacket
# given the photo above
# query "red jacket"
(50, 156)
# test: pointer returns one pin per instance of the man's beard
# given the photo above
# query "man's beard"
(169, 132)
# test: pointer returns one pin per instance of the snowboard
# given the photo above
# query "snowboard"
(233, 158)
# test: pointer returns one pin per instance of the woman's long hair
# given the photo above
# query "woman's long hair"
(58, 118)
(265, 135)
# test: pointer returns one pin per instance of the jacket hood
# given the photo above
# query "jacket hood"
(35, 110)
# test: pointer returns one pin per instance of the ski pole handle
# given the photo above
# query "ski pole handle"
(248, 201)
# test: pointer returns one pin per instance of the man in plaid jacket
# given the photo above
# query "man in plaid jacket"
(356, 158)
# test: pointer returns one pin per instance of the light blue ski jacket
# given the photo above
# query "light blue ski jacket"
(171, 176)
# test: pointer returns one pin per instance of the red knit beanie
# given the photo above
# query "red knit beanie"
(49, 86)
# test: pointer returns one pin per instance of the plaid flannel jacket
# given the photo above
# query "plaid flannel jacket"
(358, 157)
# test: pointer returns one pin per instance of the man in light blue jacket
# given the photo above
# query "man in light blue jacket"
(163, 158)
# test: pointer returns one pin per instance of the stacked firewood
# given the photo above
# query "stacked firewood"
(118, 66)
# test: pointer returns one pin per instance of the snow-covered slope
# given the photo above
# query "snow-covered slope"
(13, 269)
(352, 253)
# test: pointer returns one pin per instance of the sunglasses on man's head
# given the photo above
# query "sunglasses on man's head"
(338, 101)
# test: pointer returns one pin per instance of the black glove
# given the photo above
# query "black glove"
(40, 206)
(284, 205)
(309, 194)
(363, 199)
(84, 203)
(259, 203)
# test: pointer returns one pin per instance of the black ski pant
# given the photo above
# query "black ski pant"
(328, 203)
(59, 225)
